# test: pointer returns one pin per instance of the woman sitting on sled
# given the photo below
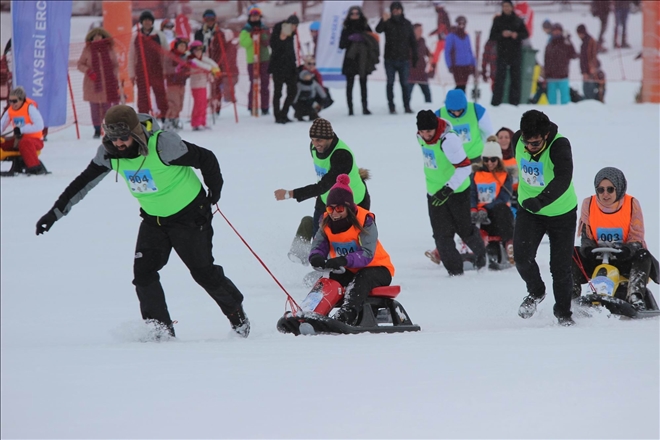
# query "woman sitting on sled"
(348, 237)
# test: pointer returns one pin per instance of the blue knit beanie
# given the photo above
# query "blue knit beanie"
(456, 100)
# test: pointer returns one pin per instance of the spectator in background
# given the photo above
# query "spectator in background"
(558, 55)
(177, 72)
(223, 53)
(314, 29)
(283, 66)
(441, 31)
(201, 67)
(310, 94)
(458, 54)
(24, 117)
(593, 85)
(400, 46)
(147, 72)
(601, 10)
(5, 71)
(418, 74)
(504, 137)
(167, 28)
(254, 28)
(360, 57)
(621, 10)
(508, 30)
(98, 62)
(547, 29)
(489, 62)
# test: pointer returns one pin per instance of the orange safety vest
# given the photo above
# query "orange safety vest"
(610, 227)
(21, 117)
(512, 164)
(348, 241)
(489, 184)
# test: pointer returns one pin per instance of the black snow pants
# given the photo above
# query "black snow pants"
(279, 81)
(359, 284)
(513, 67)
(501, 222)
(448, 219)
(527, 236)
(190, 233)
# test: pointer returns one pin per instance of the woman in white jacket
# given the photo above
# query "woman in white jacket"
(202, 66)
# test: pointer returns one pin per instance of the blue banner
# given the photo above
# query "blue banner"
(40, 46)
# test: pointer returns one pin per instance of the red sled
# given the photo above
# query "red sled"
(381, 312)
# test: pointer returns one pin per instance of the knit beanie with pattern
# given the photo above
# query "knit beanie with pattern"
(615, 176)
(321, 129)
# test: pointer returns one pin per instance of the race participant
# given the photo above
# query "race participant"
(491, 191)
(469, 120)
(613, 218)
(331, 157)
(348, 237)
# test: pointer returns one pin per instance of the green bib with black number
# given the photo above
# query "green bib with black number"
(322, 166)
(437, 168)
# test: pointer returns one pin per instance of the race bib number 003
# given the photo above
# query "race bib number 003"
(140, 182)
(532, 173)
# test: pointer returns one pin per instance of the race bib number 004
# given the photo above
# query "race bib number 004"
(532, 173)
(140, 182)
(344, 248)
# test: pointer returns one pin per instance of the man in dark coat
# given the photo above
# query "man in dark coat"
(509, 31)
(593, 85)
(283, 66)
(400, 48)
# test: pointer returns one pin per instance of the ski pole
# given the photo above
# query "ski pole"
(292, 303)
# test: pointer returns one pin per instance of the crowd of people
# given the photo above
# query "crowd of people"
(512, 184)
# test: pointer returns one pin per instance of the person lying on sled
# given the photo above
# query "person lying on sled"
(348, 237)
(612, 218)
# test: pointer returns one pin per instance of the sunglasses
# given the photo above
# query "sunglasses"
(490, 159)
(310, 64)
(12, 101)
(534, 144)
(123, 138)
(336, 208)
(602, 189)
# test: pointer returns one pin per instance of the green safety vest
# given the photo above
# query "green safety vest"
(467, 128)
(437, 168)
(162, 190)
(534, 177)
(323, 165)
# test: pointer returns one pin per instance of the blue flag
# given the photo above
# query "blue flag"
(40, 46)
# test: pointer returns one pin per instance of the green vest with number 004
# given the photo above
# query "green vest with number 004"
(162, 190)
(437, 168)
(534, 177)
(322, 166)
(467, 129)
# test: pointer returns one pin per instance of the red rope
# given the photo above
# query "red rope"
(292, 303)
(578, 261)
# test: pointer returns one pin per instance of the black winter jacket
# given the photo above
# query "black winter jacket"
(508, 49)
(400, 41)
(283, 54)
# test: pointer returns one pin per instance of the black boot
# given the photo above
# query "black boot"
(363, 95)
(239, 322)
(37, 170)
(347, 315)
(97, 132)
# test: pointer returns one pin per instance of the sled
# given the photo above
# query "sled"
(380, 313)
(609, 287)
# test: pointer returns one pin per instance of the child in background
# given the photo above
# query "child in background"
(199, 79)
(176, 73)
(311, 97)
(418, 74)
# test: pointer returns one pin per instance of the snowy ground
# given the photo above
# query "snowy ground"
(71, 366)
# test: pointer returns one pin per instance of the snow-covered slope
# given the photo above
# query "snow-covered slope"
(71, 366)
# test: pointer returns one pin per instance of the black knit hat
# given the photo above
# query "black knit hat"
(615, 176)
(396, 5)
(147, 15)
(209, 13)
(427, 120)
(321, 129)
(293, 19)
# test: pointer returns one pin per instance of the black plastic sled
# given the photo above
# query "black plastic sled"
(381, 313)
(617, 306)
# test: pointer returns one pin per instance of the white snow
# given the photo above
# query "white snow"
(72, 366)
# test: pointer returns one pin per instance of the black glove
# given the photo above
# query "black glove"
(415, 60)
(587, 250)
(474, 215)
(213, 196)
(482, 216)
(336, 263)
(532, 205)
(17, 132)
(451, 70)
(626, 251)
(46, 222)
(317, 260)
(441, 196)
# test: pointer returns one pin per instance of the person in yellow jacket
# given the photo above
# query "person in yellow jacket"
(613, 218)
(348, 238)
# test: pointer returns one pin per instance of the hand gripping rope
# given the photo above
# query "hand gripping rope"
(290, 301)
